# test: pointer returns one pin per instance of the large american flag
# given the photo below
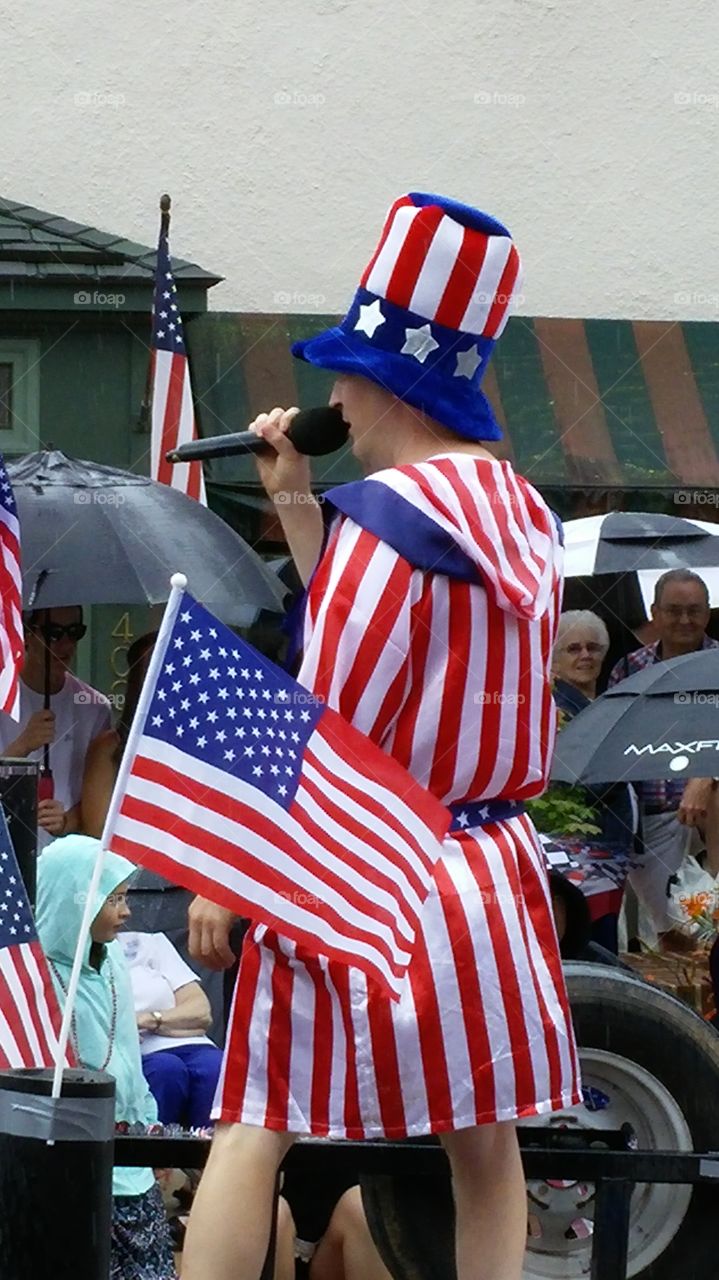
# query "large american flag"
(29, 1012)
(173, 414)
(242, 786)
(12, 650)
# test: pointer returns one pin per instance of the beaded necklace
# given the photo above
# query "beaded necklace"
(73, 1025)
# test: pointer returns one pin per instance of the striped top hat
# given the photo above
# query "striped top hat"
(432, 301)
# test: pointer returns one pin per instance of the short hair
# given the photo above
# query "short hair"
(135, 679)
(36, 617)
(678, 575)
(573, 619)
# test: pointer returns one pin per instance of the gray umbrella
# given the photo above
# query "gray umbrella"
(662, 722)
(92, 534)
(621, 542)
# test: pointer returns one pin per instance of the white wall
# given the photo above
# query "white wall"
(284, 128)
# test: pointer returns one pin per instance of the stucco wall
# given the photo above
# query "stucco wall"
(283, 129)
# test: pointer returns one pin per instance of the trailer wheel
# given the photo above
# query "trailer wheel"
(647, 1059)
(652, 1062)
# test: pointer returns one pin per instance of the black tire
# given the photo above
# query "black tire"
(577, 924)
(412, 1224)
(412, 1219)
(617, 1012)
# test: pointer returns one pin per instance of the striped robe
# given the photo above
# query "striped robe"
(448, 672)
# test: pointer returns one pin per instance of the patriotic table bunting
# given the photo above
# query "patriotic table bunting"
(29, 1011)
(240, 785)
(555, 854)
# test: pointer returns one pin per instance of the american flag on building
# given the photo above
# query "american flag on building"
(12, 651)
(29, 1012)
(242, 786)
(173, 413)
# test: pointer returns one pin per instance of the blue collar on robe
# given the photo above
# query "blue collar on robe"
(394, 520)
(415, 536)
(425, 545)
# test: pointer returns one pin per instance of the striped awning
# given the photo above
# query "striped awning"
(590, 403)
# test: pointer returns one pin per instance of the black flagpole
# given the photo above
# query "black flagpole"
(46, 786)
(165, 203)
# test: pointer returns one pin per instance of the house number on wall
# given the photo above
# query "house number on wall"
(118, 660)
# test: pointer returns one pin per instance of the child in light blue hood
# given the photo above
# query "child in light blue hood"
(104, 1031)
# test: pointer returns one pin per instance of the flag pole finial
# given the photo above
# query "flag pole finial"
(165, 203)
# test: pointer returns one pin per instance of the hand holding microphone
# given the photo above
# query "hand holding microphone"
(281, 467)
(283, 442)
(312, 431)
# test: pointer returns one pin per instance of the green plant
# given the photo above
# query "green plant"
(563, 811)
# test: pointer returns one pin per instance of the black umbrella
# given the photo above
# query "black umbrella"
(662, 722)
(634, 541)
(92, 534)
(612, 563)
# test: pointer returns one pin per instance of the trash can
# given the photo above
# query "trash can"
(56, 1175)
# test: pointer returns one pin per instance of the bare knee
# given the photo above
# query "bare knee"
(241, 1144)
(249, 1137)
(285, 1221)
(348, 1217)
(346, 1250)
(482, 1152)
(285, 1242)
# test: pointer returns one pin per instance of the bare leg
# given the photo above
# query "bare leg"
(285, 1247)
(490, 1200)
(229, 1227)
(347, 1250)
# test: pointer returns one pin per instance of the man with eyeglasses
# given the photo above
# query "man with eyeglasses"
(673, 812)
(77, 713)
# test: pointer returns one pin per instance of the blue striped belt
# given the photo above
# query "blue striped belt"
(481, 812)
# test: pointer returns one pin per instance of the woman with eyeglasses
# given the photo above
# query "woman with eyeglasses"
(77, 714)
(580, 649)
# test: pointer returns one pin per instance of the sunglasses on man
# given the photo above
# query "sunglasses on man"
(53, 631)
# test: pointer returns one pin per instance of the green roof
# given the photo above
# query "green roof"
(41, 250)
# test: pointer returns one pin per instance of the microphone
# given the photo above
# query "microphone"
(313, 432)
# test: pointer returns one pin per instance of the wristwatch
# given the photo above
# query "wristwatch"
(157, 1015)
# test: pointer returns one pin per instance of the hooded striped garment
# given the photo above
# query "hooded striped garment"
(429, 625)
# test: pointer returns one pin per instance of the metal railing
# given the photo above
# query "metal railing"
(603, 1157)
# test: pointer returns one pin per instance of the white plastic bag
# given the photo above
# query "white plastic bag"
(694, 900)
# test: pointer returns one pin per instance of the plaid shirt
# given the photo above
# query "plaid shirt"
(662, 794)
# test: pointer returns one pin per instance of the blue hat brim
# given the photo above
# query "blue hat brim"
(465, 411)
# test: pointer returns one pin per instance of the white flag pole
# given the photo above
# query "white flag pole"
(178, 584)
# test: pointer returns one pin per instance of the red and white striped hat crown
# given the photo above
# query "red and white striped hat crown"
(456, 270)
(433, 300)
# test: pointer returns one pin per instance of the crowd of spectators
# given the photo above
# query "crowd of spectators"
(145, 1012)
(172, 1071)
(668, 830)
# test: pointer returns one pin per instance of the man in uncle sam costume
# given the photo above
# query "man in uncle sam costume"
(431, 611)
